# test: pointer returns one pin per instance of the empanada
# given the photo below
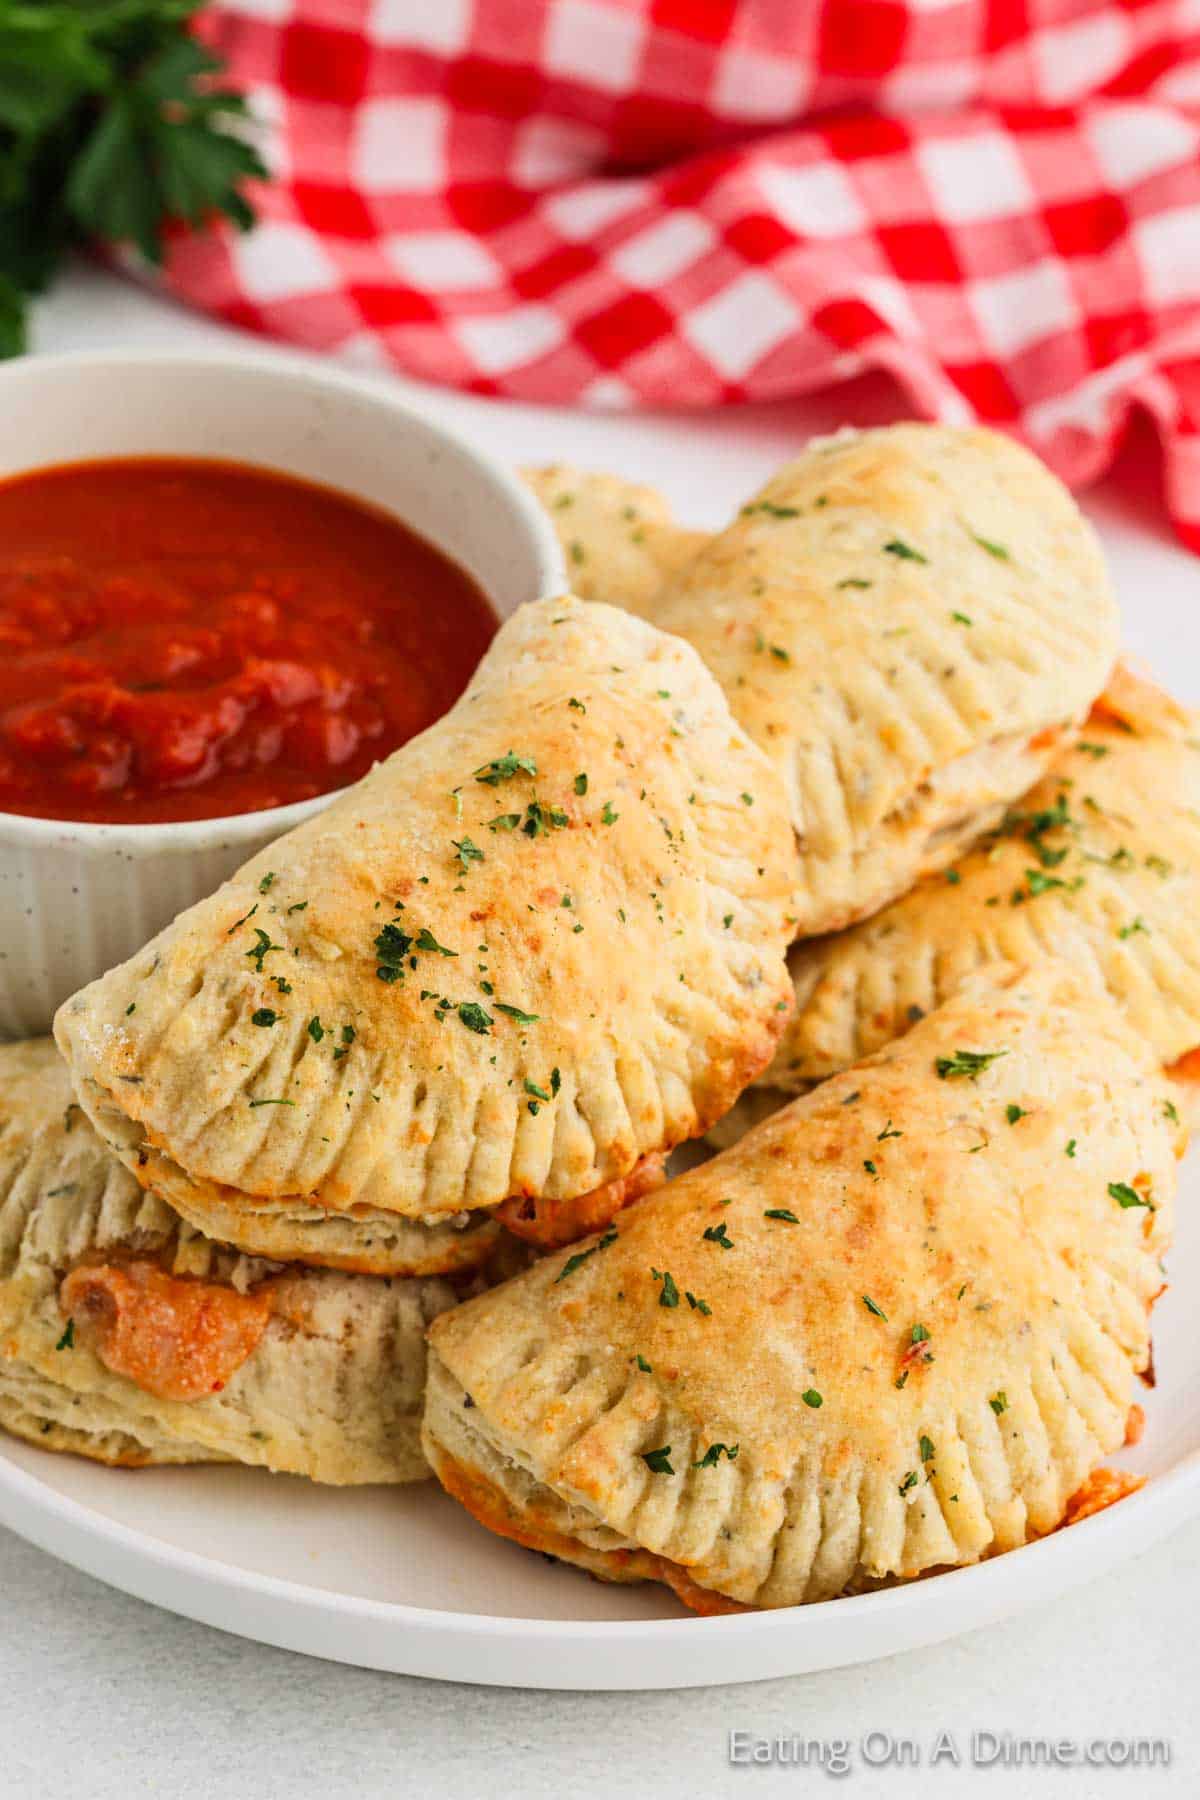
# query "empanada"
(620, 543)
(891, 1331)
(539, 946)
(128, 1337)
(1099, 865)
(911, 622)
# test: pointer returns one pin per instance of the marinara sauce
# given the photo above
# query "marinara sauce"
(189, 639)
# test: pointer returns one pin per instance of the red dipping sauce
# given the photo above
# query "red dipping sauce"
(188, 639)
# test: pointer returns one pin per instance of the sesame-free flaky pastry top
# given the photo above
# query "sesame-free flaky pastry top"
(128, 1337)
(619, 540)
(910, 622)
(1099, 864)
(893, 1330)
(539, 945)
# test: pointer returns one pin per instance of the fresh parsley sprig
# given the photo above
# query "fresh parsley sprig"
(112, 126)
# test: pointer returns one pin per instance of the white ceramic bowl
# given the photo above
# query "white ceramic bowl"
(77, 898)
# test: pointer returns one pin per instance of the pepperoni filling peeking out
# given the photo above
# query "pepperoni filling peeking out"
(177, 1338)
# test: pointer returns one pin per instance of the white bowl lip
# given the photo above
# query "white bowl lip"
(88, 837)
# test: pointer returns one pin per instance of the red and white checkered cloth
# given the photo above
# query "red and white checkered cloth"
(685, 202)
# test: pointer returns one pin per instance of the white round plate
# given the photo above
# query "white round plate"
(402, 1579)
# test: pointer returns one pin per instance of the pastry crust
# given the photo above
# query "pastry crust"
(911, 622)
(917, 1368)
(542, 941)
(619, 540)
(1098, 865)
(302, 1371)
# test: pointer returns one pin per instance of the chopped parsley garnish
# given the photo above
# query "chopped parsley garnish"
(391, 947)
(316, 1030)
(67, 1340)
(468, 852)
(504, 822)
(906, 553)
(872, 1308)
(968, 1064)
(264, 1016)
(643, 1365)
(669, 1295)
(1096, 750)
(1136, 925)
(999, 1402)
(242, 920)
(531, 1087)
(871, 1169)
(254, 1103)
(608, 816)
(1013, 1112)
(962, 618)
(719, 1234)
(698, 1305)
(474, 1017)
(514, 1012)
(504, 768)
(714, 1453)
(780, 654)
(658, 1461)
(769, 507)
(541, 819)
(811, 1398)
(992, 548)
(1170, 1111)
(919, 1335)
(265, 883)
(576, 705)
(1070, 1151)
(889, 1131)
(262, 948)
(926, 1448)
(427, 941)
(855, 581)
(1125, 1196)
(581, 783)
(781, 1212)
(574, 1262)
(910, 1481)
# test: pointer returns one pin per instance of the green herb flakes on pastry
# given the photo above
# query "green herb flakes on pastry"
(894, 1330)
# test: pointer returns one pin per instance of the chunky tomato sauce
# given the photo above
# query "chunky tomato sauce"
(188, 639)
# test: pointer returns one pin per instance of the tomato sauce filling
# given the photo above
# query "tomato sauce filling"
(185, 639)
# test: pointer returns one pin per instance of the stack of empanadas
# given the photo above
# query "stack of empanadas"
(825, 799)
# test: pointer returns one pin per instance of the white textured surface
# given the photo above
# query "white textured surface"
(142, 1703)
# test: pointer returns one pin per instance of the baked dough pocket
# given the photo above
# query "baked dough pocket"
(1098, 865)
(892, 1331)
(540, 944)
(618, 538)
(127, 1337)
(910, 622)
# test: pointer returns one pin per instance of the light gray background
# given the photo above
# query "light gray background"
(104, 1698)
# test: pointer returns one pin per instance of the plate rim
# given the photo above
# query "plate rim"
(587, 1653)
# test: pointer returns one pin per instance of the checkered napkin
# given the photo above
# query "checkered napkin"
(687, 202)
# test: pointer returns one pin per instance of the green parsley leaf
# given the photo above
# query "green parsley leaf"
(910, 1481)
(906, 553)
(993, 549)
(872, 1308)
(1125, 1196)
(264, 1016)
(669, 1294)
(608, 816)
(504, 768)
(468, 852)
(719, 1234)
(581, 783)
(714, 1453)
(781, 1212)
(999, 1402)
(926, 1448)
(474, 1017)
(658, 1461)
(1013, 1112)
(968, 1064)
(811, 1398)
(696, 1304)
(67, 1340)
(514, 1012)
(391, 947)
(427, 941)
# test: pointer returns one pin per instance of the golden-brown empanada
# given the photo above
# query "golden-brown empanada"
(540, 945)
(910, 622)
(128, 1337)
(891, 1331)
(619, 540)
(1099, 864)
